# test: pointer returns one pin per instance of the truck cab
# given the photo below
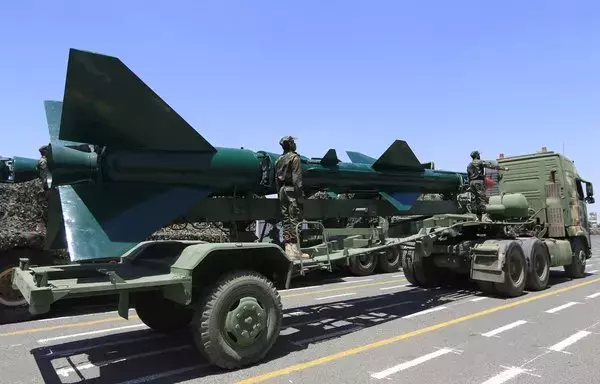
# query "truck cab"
(556, 192)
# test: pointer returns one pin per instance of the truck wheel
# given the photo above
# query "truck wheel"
(427, 273)
(515, 271)
(239, 320)
(13, 306)
(539, 265)
(576, 269)
(363, 265)
(161, 314)
(389, 261)
(408, 269)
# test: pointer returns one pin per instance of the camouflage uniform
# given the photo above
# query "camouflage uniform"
(476, 176)
(288, 179)
(42, 166)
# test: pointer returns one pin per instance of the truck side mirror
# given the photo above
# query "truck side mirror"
(589, 189)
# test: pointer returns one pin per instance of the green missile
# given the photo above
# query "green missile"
(126, 164)
(17, 169)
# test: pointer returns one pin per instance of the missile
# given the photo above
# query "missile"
(126, 164)
(17, 169)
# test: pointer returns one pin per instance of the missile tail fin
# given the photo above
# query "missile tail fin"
(403, 202)
(398, 155)
(105, 103)
(330, 158)
(53, 117)
(106, 220)
(357, 157)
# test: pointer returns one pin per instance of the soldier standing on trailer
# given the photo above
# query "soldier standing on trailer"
(476, 175)
(288, 180)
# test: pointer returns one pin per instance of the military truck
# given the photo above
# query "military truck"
(538, 220)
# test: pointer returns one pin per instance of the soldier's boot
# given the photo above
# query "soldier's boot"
(298, 253)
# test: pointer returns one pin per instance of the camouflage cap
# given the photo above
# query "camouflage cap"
(286, 139)
(474, 154)
(44, 148)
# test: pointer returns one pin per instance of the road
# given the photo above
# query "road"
(377, 329)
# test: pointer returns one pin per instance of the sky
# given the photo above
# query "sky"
(448, 77)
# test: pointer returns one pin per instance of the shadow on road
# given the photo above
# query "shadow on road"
(144, 355)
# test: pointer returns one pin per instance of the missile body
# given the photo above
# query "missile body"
(17, 169)
(126, 164)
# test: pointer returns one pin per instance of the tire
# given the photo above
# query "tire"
(245, 295)
(515, 271)
(363, 265)
(389, 261)
(538, 259)
(161, 314)
(423, 274)
(576, 270)
(408, 268)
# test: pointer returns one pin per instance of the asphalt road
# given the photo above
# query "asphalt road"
(361, 330)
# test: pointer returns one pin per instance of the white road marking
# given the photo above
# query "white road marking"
(335, 296)
(558, 347)
(594, 271)
(478, 298)
(410, 364)
(356, 281)
(107, 330)
(78, 316)
(394, 287)
(399, 275)
(424, 312)
(561, 307)
(65, 372)
(593, 295)
(504, 328)
(161, 375)
(504, 376)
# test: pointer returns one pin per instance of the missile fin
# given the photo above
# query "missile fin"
(403, 202)
(106, 220)
(429, 165)
(105, 103)
(330, 158)
(53, 116)
(398, 155)
(357, 157)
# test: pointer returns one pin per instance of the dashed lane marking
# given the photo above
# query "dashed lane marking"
(356, 350)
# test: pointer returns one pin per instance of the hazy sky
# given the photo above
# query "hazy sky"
(446, 76)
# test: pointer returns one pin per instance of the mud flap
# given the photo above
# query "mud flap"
(487, 262)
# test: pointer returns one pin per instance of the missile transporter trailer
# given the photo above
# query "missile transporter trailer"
(227, 293)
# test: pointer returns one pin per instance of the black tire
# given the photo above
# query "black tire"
(515, 271)
(262, 312)
(538, 274)
(576, 270)
(389, 261)
(408, 268)
(161, 314)
(363, 265)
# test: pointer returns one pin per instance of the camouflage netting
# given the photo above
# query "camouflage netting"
(22, 208)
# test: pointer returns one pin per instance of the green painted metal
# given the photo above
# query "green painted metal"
(17, 169)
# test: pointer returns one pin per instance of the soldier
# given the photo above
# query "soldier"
(42, 166)
(288, 180)
(476, 175)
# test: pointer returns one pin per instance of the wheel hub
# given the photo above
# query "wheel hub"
(9, 297)
(245, 321)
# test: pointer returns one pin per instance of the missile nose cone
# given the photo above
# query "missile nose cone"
(68, 165)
